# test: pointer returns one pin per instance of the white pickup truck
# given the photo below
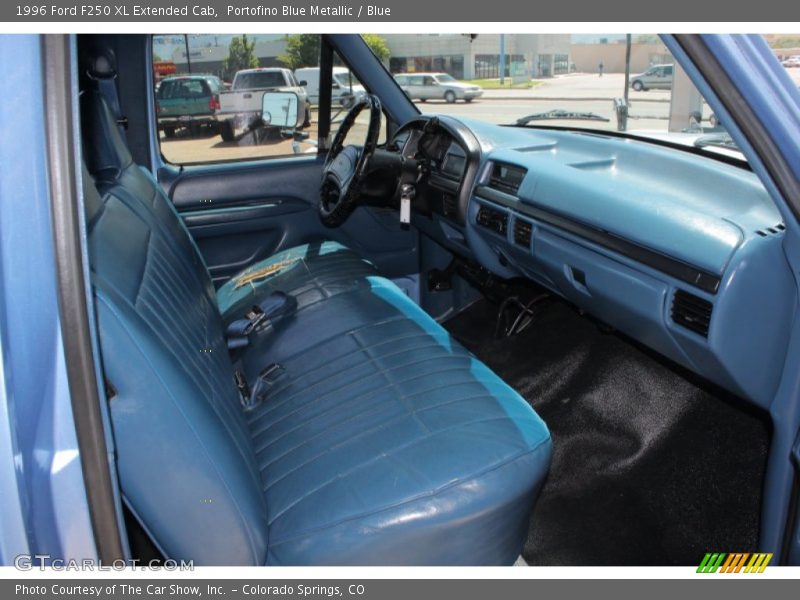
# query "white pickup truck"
(240, 108)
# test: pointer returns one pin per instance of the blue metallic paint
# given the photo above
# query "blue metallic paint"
(44, 503)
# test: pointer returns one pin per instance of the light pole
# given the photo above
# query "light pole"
(627, 65)
(502, 59)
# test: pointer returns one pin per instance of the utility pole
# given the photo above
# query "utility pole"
(502, 59)
(627, 66)
(188, 58)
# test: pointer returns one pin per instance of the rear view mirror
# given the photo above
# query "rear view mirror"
(280, 109)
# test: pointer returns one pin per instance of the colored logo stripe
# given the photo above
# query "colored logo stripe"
(758, 563)
(711, 562)
(734, 562)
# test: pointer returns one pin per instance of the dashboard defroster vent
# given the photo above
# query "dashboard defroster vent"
(774, 230)
(492, 219)
(506, 178)
(691, 312)
(522, 233)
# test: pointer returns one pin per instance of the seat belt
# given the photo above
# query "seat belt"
(273, 308)
(266, 379)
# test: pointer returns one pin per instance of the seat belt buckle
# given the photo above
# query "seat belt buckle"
(242, 386)
(275, 307)
(268, 377)
(258, 319)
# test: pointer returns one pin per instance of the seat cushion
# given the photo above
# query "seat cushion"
(310, 273)
(386, 442)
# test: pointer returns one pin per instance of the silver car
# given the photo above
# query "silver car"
(657, 77)
(437, 86)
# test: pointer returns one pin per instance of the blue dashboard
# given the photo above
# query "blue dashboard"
(681, 252)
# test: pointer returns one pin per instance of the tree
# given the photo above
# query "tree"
(378, 45)
(301, 51)
(241, 55)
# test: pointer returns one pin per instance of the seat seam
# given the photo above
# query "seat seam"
(339, 389)
(356, 416)
(371, 360)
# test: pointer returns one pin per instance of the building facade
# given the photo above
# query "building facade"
(478, 56)
(587, 57)
(462, 56)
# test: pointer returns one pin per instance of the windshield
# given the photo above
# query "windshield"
(609, 82)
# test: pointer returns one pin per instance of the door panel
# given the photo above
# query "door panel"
(241, 213)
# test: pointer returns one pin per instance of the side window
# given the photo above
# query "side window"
(198, 122)
(668, 71)
(347, 89)
(429, 81)
(210, 93)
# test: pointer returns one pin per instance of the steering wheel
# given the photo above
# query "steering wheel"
(346, 166)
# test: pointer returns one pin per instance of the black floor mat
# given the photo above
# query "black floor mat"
(650, 467)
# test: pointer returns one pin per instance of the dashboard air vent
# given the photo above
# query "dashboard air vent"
(493, 219)
(691, 312)
(774, 230)
(522, 233)
(506, 178)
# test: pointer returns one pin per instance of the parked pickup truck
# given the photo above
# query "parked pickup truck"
(240, 108)
(189, 101)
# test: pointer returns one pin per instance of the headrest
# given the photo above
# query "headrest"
(105, 152)
(101, 64)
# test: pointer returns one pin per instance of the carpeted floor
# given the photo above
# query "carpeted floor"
(650, 465)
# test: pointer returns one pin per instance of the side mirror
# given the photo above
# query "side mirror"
(281, 110)
(335, 86)
(302, 83)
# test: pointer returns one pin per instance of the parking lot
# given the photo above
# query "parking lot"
(649, 111)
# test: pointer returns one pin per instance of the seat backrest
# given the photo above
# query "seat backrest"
(185, 460)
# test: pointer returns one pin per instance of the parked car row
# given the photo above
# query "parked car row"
(200, 101)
